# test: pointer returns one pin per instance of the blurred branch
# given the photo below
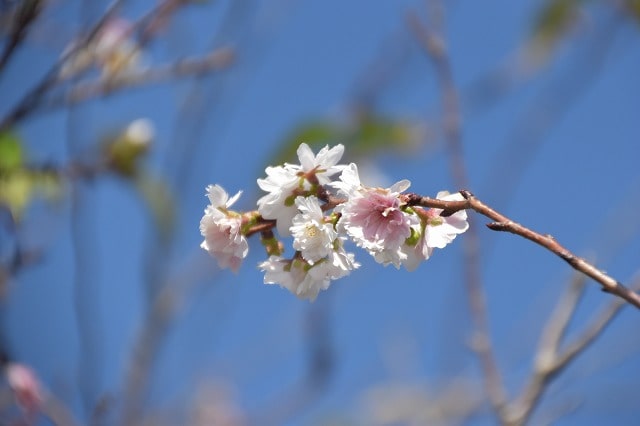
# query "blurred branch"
(157, 18)
(26, 13)
(145, 351)
(58, 412)
(594, 329)
(518, 411)
(53, 409)
(85, 91)
(48, 406)
(84, 247)
(504, 224)
(20, 258)
(33, 97)
(217, 60)
(434, 47)
(33, 100)
(550, 360)
(320, 367)
(164, 309)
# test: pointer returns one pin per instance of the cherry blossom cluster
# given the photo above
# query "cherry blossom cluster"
(322, 204)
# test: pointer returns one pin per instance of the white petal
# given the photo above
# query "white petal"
(217, 196)
(329, 157)
(349, 183)
(310, 206)
(445, 195)
(284, 219)
(306, 157)
(233, 199)
(400, 186)
(414, 257)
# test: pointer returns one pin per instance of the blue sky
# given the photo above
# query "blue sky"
(301, 61)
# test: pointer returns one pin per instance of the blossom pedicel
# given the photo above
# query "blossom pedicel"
(320, 213)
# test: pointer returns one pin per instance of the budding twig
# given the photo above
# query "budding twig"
(504, 224)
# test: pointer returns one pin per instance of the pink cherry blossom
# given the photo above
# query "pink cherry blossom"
(374, 218)
(26, 387)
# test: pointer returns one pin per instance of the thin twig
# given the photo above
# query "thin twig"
(504, 224)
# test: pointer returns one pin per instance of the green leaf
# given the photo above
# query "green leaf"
(124, 155)
(11, 155)
(633, 6)
(316, 134)
(376, 133)
(19, 187)
(554, 20)
(16, 190)
(369, 135)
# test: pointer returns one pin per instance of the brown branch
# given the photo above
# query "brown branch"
(504, 224)
(263, 225)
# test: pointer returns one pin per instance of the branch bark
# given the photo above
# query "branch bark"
(504, 224)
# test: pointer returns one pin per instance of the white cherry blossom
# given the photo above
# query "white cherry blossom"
(297, 276)
(320, 215)
(285, 183)
(313, 237)
(304, 279)
(221, 229)
(281, 183)
(325, 162)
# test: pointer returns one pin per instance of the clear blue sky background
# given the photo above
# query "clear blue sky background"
(298, 61)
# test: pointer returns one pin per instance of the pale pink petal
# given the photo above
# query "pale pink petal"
(217, 196)
(400, 186)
